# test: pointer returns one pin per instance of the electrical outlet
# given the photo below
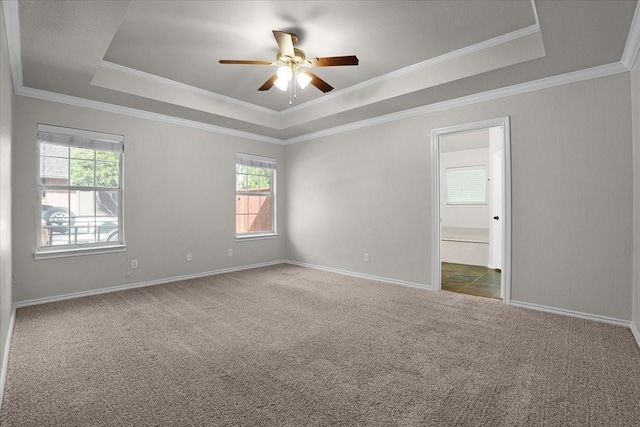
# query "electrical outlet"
(188, 257)
(134, 263)
(230, 252)
(366, 257)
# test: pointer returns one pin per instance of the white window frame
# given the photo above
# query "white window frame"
(83, 139)
(264, 163)
(482, 168)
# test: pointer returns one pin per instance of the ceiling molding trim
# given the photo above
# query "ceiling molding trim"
(183, 86)
(546, 83)
(12, 28)
(632, 46)
(535, 12)
(141, 114)
(505, 38)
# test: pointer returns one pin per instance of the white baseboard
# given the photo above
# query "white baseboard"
(63, 297)
(5, 357)
(363, 276)
(571, 313)
(635, 332)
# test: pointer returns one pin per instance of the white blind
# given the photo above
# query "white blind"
(255, 161)
(467, 185)
(80, 138)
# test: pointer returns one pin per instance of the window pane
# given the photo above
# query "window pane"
(265, 182)
(241, 182)
(56, 217)
(107, 174)
(53, 150)
(107, 229)
(253, 182)
(254, 204)
(107, 203)
(54, 171)
(85, 204)
(82, 153)
(241, 224)
(82, 173)
(253, 223)
(265, 205)
(109, 156)
(265, 222)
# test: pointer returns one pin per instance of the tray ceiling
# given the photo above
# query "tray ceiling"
(162, 57)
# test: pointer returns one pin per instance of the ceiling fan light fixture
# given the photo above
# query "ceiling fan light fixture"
(303, 79)
(289, 60)
(284, 76)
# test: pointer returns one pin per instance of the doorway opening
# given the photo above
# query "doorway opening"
(472, 208)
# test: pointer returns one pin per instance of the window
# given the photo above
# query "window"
(255, 195)
(467, 185)
(80, 179)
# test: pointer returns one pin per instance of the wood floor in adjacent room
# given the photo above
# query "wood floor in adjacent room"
(291, 346)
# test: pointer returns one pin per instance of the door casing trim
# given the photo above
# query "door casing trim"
(436, 134)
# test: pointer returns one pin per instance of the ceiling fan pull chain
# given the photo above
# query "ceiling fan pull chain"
(294, 82)
(290, 91)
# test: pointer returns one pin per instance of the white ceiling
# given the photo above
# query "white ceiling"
(461, 141)
(162, 57)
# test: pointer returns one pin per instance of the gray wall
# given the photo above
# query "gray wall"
(368, 190)
(635, 107)
(179, 191)
(6, 117)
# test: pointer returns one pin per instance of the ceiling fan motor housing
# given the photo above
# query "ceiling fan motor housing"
(298, 60)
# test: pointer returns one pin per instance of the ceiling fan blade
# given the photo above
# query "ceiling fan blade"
(285, 43)
(334, 61)
(245, 62)
(319, 83)
(269, 83)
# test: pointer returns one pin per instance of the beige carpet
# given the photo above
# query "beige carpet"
(290, 346)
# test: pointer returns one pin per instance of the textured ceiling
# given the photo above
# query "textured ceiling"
(122, 53)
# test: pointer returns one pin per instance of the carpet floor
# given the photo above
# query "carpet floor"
(291, 346)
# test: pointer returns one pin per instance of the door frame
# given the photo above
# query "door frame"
(436, 134)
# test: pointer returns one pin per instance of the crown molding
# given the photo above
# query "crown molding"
(505, 38)
(632, 46)
(549, 82)
(12, 24)
(535, 12)
(12, 28)
(141, 114)
(186, 87)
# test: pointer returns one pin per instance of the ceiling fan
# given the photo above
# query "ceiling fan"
(292, 63)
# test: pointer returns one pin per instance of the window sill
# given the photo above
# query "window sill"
(65, 253)
(256, 237)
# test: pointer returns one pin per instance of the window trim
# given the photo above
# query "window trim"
(264, 163)
(99, 141)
